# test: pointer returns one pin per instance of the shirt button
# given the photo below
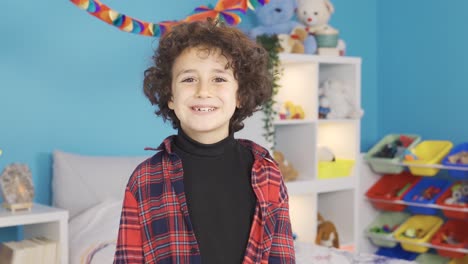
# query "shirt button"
(194, 251)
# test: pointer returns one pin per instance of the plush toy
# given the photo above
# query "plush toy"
(289, 110)
(275, 18)
(315, 15)
(327, 235)
(287, 170)
(294, 42)
(340, 100)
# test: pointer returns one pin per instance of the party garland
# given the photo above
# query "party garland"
(224, 10)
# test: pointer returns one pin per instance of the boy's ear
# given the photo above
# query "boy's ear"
(170, 104)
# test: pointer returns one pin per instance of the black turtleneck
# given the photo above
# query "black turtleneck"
(220, 199)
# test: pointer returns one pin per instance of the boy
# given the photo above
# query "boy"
(206, 197)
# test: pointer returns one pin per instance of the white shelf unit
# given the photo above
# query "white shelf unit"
(368, 213)
(43, 221)
(336, 199)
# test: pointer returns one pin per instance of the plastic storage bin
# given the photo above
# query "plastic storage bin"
(463, 260)
(429, 152)
(452, 229)
(451, 213)
(335, 169)
(383, 165)
(396, 252)
(457, 173)
(429, 258)
(391, 219)
(426, 191)
(426, 225)
(391, 188)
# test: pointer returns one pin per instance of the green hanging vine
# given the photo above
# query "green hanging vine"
(271, 44)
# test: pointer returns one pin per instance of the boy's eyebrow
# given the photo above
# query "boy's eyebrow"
(194, 70)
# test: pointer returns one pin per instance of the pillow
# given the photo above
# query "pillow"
(80, 182)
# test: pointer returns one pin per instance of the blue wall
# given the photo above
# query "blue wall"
(71, 82)
(423, 66)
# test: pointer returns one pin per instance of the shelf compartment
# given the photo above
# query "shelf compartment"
(417, 193)
(391, 219)
(429, 258)
(451, 213)
(428, 245)
(388, 165)
(427, 224)
(459, 174)
(458, 231)
(391, 188)
(435, 206)
(428, 152)
(396, 252)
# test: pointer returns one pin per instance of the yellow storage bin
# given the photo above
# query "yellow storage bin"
(426, 225)
(335, 169)
(429, 152)
(463, 260)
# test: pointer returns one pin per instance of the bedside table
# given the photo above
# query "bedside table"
(42, 220)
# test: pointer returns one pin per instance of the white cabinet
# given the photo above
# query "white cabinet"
(43, 221)
(336, 199)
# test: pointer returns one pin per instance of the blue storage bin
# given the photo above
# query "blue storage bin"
(418, 190)
(457, 173)
(396, 252)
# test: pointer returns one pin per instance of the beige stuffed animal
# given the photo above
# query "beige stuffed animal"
(287, 169)
(294, 42)
(327, 235)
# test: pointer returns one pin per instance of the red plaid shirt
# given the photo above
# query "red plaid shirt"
(155, 226)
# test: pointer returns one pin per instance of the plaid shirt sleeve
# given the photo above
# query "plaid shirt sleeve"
(129, 243)
(282, 247)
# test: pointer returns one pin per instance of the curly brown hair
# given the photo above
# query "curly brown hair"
(248, 60)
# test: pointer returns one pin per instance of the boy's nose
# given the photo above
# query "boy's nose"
(203, 90)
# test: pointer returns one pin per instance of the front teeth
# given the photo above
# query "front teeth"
(204, 109)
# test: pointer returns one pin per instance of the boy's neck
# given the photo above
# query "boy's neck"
(205, 138)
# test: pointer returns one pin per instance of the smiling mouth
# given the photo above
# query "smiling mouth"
(203, 109)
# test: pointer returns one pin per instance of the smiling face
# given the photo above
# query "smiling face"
(204, 94)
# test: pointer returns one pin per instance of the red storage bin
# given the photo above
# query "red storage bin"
(451, 213)
(454, 230)
(392, 188)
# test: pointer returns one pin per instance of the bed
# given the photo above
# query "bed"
(91, 188)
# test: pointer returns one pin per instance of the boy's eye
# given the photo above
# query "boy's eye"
(219, 79)
(189, 79)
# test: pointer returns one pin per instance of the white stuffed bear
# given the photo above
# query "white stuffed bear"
(315, 15)
(340, 100)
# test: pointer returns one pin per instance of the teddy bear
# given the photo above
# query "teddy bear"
(315, 15)
(337, 97)
(287, 170)
(327, 235)
(294, 42)
(275, 18)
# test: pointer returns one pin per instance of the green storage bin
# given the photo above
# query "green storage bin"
(386, 218)
(383, 165)
(429, 258)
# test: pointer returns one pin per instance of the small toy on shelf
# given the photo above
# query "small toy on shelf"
(459, 158)
(385, 229)
(294, 42)
(315, 15)
(287, 169)
(289, 110)
(396, 148)
(459, 194)
(275, 17)
(337, 97)
(427, 194)
(327, 235)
